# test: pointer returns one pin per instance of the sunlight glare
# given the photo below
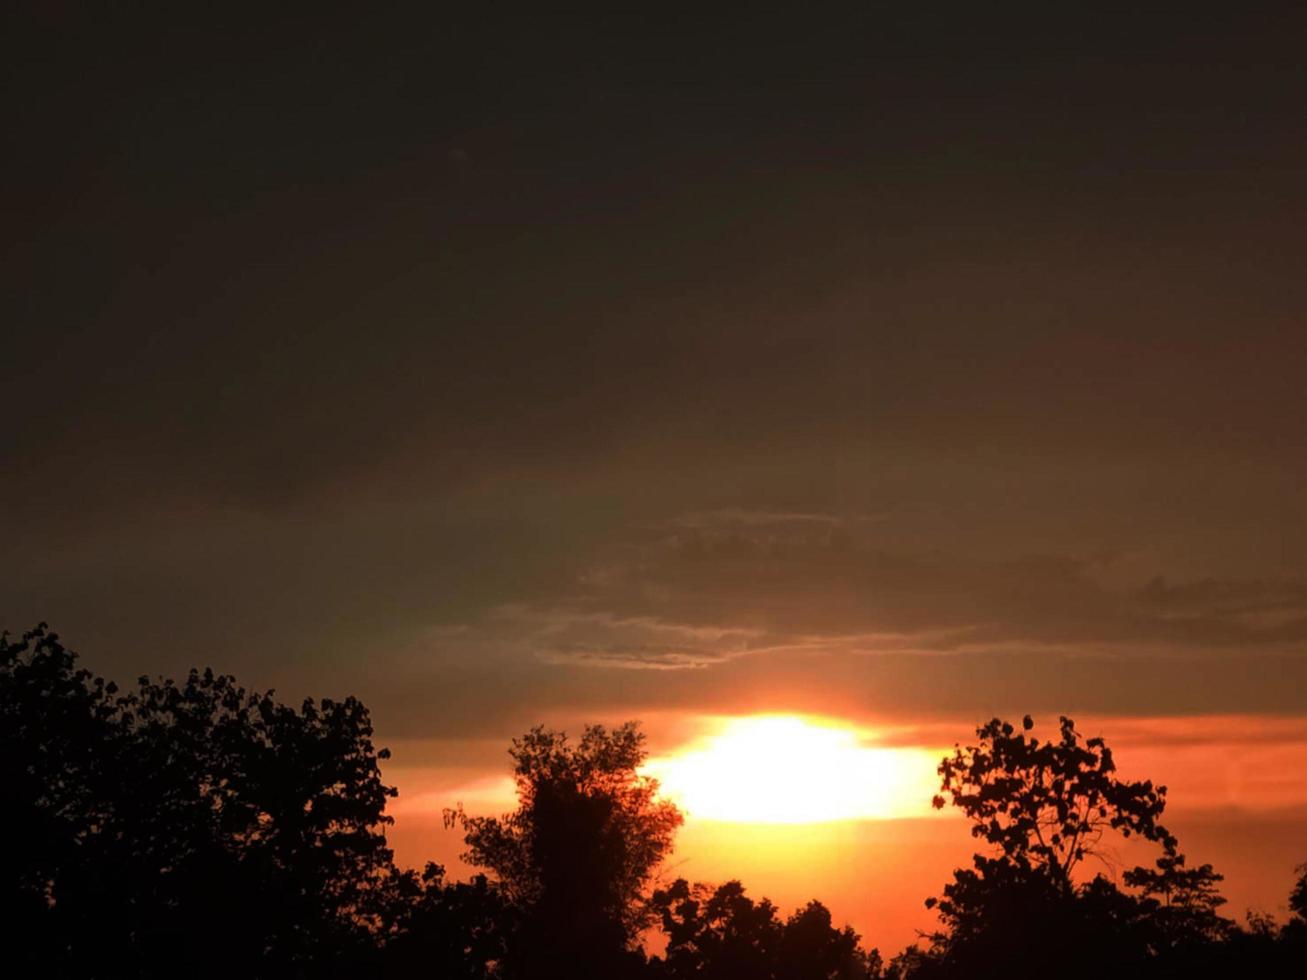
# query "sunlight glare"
(791, 769)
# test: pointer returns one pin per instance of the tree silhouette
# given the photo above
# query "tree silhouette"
(56, 724)
(187, 829)
(813, 949)
(1298, 897)
(1179, 904)
(454, 931)
(199, 829)
(1044, 807)
(717, 934)
(1295, 932)
(576, 856)
(722, 934)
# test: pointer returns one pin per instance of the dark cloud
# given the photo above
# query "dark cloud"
(505, 366)
(775, 581)
(631, 657)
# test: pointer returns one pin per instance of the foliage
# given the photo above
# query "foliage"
(453, 930)
(56, 722)
(199, 829)
(1180, 904)
(722, 934)
(576, 856)
(1298, 897)
(163, 817)
(1046, 805)
(1295, 932)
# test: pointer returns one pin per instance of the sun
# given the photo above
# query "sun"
(793, 769)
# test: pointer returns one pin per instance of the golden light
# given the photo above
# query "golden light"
(791, 769)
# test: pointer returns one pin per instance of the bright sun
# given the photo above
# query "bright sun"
(791, 769)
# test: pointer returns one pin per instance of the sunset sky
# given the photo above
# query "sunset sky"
(874, 372)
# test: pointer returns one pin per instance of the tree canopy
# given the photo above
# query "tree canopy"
(577, 855)
(197, 828)
(155, 820)
(722, 934)
(1043, 807)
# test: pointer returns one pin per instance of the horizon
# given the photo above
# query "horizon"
(874, 860)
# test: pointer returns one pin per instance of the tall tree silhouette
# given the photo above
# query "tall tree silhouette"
(576, 856)
(1043, 807)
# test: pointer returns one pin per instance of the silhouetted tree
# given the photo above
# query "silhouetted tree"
(722, 934)
(193, 829)
(1294, 936)
(450, 930)
(1044, 807)
(202, 830)
(1179, 904)
(717, 933)
(1003, 920)
(576, 856)
(57, 723)
(813, 949)
(1298, 897)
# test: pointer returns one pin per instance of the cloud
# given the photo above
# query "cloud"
(632, 657)
(727, 517)
(764, 583)
(824, 616)
(574, 635)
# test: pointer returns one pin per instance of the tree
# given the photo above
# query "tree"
(813, 949)
(454, 931)
(56, 723)
(1179, 903)
(1044, 807)
(192, 828)
(717, 934)
(1294, 935)
(722, 934)
(576, 856)
(1298, 897)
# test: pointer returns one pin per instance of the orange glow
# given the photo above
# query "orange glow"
(787, 769)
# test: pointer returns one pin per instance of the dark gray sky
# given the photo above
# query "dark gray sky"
(928, 361)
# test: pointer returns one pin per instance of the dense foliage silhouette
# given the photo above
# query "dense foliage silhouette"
(157, 820)
(199, 829)
(455, 931)
(1021, 910)
(722, 934)
(575, 857)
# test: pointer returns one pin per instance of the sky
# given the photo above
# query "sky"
(896, 366)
